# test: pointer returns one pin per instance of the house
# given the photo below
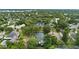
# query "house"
(73, 26)
(72, 35)
(57, 35)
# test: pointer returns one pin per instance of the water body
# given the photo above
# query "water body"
(40, 24)
(40, 37)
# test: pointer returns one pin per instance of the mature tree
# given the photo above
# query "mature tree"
(46, 29)
(77, 39)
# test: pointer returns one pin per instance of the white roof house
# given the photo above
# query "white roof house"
(18, 26)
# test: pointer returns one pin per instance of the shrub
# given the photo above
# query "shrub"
(77, 39)
(52, 47)
(70, 43)
(49, 41)
(32, 43)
